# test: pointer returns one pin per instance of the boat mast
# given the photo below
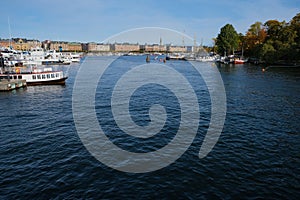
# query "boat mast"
(195, 43)
(9, 31)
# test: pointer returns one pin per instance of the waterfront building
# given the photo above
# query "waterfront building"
(75, 46)
(96, 47)
(59, 46)
(33, 43)
(125, 47)
(154, 48)
(5, 43)
(176, 49)
(20, 43)
(24, 44)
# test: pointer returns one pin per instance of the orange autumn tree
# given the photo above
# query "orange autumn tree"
(254, 38)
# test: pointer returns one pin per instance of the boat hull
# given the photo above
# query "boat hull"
(61, 81)
(239, 62)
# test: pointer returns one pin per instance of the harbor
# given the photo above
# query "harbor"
(149, 100)
(36, 66)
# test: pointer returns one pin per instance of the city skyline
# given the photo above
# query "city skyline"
(97, 20)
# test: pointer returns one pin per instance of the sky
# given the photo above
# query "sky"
(104, 20)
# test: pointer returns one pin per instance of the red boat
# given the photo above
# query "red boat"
(239, 61)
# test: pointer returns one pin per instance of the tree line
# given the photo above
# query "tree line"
(271, 42)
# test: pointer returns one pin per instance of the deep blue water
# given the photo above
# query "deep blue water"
(257, 155)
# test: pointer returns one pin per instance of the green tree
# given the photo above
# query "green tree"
(273, 28)
(227, 40)
(268, 53)
(281, 36)
(295, 25)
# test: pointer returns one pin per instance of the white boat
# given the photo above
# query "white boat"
(37, 76)
(175, 56)
(41, 57)
(206, 59)
(75, 57)
(72, 57)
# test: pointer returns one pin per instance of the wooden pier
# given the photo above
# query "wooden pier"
(6, 85)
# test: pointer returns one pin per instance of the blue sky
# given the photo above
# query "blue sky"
(97, 20)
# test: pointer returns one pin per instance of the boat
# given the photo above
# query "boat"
(206, 58)
(55, 62)
(75, 58)
(175, 56)
(239, 61)
(37, 76)
(38, 56)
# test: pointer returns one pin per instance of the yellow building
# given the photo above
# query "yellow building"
(21, 44)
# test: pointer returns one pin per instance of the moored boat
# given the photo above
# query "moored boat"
(37, 77)
(239, 61)
(175, 57)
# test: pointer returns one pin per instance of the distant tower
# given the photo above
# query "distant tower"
(160, 41)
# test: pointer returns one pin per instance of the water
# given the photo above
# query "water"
(257, 155)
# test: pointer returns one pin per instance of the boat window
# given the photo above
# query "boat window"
(39, 76)
(15, 77)
(48, 75)
(33, 76)
(57, 75)
(19, 77)
(52, 75)
(43, 76)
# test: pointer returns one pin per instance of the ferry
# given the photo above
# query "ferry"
(37, 77)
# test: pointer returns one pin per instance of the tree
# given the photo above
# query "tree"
(254, 38)
(268, 53)
(295, 25)
(227, 40)
(281, 36)
(273, 27)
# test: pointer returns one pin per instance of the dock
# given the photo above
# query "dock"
(6, 85)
